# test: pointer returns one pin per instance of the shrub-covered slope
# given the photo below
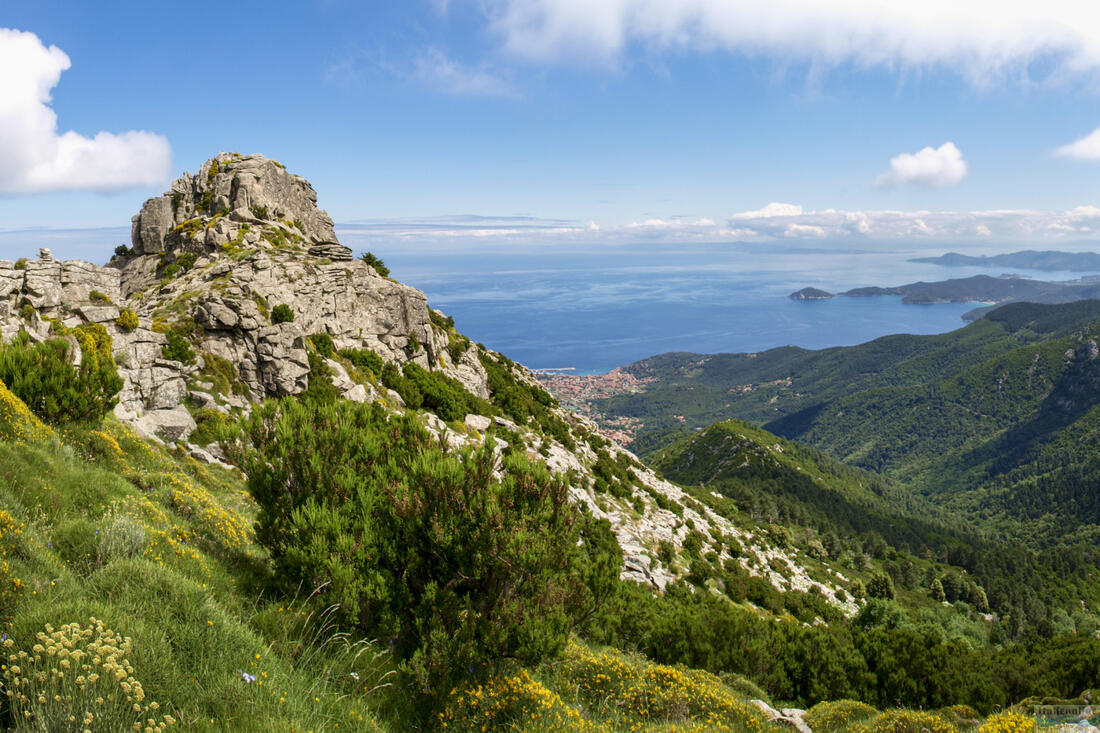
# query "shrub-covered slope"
(776, 480)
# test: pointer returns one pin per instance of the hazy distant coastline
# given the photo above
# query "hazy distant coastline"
(1030, 259)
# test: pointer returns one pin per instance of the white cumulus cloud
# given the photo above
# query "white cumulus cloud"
(1087, 148)
(35, 157)
(929, 167)
(773, 209)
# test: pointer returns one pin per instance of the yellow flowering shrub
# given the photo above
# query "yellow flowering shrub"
(510, 702)
(838, 716)
(909, 721)
(1008, 722)
(78, 678)
(11, 587)
(17, 422)
(610, 682)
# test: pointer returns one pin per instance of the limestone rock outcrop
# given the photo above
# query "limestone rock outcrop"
(227, 245)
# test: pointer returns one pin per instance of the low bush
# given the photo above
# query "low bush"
(323, 343)
(839, 716)
(127, 320)
(282, 313)
(377, 264)
(909, 721)
(364, 359)
(177, 348)
(43, 377)
(459, 568)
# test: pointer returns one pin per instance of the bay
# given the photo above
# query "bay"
(593, 309)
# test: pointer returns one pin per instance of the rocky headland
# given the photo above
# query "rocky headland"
(993, 291)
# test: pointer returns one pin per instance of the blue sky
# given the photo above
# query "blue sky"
(594, 122)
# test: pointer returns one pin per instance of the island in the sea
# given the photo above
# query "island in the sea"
(993, 291)
(1028, 259)
(811, 294)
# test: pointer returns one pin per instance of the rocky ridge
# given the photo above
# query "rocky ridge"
(232, 277)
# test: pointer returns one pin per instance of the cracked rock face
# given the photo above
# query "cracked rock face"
(249, 188)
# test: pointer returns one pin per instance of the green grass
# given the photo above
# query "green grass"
(159, 548)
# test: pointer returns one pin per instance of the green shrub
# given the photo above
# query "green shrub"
(458, 568)
(443, 395)
(259, 211)
(21, 263)
(43, 377)
(282, 313)
(377, 264)
(881, 586)
(177, 349)
(123, 251)
(222, 375)
(127, 320)
(213, 427)
(320, 388)
(97, 297)
(445, 323)
(323, 343)
(364, 359)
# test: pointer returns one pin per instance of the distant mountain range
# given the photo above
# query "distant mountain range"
(1029, 259)
(995, 291)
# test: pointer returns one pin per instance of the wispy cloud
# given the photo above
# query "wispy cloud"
(981, 39)
(774, 222)
(35, 157)
(430, 68)
(435, 70)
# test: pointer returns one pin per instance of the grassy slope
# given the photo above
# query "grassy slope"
(188, 588)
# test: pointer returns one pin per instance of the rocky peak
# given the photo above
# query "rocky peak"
(234, 202)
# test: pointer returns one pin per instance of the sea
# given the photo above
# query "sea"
(591, 309)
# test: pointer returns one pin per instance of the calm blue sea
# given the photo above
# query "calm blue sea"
(607, 306)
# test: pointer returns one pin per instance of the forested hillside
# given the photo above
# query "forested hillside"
(995, 420)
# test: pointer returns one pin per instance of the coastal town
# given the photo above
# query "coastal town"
(576, 392)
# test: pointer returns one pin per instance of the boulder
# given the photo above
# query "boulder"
(99, 313)
(169, 425)
(332, 250)
(479, 423)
